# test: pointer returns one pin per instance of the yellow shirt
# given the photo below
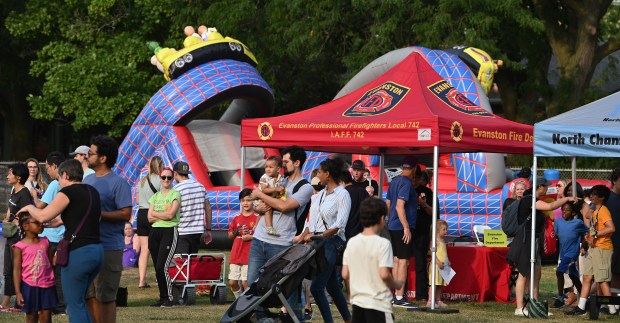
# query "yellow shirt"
(598, 219)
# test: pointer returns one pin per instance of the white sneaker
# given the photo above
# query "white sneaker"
(521, 312)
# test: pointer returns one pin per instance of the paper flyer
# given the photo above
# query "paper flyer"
(447, 273)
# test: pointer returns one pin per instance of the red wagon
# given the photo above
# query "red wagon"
(187, 272)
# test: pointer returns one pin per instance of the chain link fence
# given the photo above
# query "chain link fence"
(565, 173)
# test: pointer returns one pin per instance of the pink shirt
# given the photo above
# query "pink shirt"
(37, 269)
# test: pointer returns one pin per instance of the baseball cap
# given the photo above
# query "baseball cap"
(181, 168)
(80, 150)
(315, 181)
(541, 180)
(358, 164)
(409, 162)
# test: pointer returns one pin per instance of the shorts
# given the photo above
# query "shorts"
(568, 266)
(105, 285)
(143, 225)
(615, 261)
(599, 264)
(238, 272)
(361, 314)
(400, 249)
(188, 243)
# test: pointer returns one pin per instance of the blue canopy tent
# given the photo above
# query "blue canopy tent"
(588, 131)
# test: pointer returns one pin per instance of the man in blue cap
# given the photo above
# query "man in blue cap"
(402, 202)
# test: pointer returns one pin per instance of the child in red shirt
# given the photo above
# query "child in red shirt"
(241, 229)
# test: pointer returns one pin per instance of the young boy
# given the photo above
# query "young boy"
(570, 231)
(598, 262)
(370, 260)
(240, 230)
(271, 183)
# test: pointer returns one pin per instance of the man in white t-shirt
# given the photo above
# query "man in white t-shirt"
(367, 266)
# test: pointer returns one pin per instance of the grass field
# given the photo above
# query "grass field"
(139, 310)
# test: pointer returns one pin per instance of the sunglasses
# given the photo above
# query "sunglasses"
(163, 178)
(559, 185)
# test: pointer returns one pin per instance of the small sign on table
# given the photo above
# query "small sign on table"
(494, 238)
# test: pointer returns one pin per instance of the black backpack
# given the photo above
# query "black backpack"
(300, 219)
(510, 218)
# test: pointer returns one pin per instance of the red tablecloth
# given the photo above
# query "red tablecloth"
(482, 274)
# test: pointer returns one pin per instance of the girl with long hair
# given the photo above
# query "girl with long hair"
(147, 187)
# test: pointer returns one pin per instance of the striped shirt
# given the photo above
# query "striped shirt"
(330, 209)
(193, 196)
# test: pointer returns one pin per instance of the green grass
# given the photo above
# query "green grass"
(139, 311)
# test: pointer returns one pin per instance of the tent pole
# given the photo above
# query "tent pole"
(434, 231)
(381, 171)
(533, 240)
(573, 175)
(242, 185)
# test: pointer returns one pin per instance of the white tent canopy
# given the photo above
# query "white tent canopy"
(592, 130)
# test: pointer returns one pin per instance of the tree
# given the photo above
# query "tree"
(95, 68)
(14, 86)
(93, 59)
(574, 29)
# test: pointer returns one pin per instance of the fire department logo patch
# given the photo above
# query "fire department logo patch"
(457, 100)
(265, 131)
(378, 100)
(456, 131)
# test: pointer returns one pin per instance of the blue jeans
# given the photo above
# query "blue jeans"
(260, 253)
(84, 264)
(329, 279)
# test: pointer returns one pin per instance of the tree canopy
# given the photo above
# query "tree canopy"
(92, 68)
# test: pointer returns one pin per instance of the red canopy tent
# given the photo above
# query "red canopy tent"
(407, 110)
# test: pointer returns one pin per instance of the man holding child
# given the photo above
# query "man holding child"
(264, 246)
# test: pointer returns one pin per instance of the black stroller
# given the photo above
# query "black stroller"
(279, 278)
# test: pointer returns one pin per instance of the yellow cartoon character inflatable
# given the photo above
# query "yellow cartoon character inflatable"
(201, 47)
(480, 63)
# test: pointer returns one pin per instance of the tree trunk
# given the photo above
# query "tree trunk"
(18, 125)
(572, 32)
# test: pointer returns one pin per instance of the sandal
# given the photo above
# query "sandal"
(145, 286)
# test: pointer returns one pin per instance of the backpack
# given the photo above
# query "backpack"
(550, 245)
(300, 220)
(510, 219)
